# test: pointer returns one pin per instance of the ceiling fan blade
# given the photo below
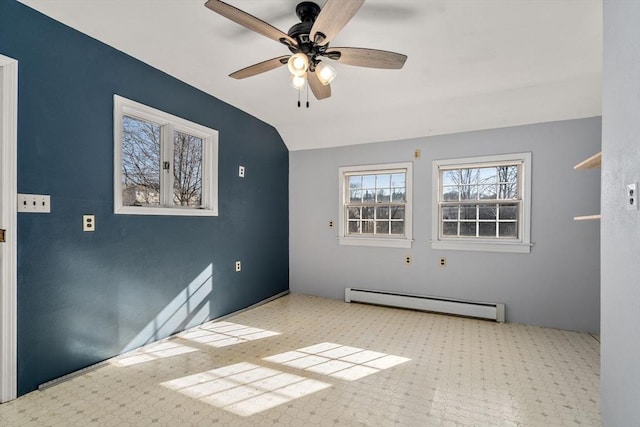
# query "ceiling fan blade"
(362, 57)
(332, 18)
(319, 90)
(260, 67)
(249, 21)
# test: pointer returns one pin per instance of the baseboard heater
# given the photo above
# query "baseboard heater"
(483, 310)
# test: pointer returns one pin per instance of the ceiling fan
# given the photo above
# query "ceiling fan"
(308, 42)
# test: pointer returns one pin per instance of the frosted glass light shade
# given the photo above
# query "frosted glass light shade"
(325, 72)
(298, 64)
(298, 82)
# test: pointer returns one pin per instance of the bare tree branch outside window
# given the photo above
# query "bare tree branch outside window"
(480, 201)
(376, 204)
(187, 170)
(141, 165)
(140, 162)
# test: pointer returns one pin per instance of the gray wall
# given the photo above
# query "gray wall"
(556, 285)
(620, 352)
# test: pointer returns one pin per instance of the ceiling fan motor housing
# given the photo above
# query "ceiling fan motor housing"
(307, 12)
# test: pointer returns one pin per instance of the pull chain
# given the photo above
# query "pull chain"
(298, 98)
(307, 93)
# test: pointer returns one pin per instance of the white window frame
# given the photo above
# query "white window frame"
(170, 123)
(520, 245)
(390, 241)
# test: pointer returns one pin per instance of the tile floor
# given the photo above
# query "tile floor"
(309, 361)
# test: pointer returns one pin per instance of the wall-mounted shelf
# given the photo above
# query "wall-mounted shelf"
(587, 217)
(592, 162)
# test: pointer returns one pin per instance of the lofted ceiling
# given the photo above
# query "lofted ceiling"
(472, 64)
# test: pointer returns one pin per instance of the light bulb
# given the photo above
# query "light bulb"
(298, 64)
(298, 82)
(325, 72)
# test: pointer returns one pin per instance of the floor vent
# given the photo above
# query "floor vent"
(483, 310)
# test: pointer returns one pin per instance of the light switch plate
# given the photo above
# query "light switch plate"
(34, 203)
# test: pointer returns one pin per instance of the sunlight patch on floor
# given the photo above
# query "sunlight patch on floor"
(223, 334)
(244, 388)
(337, 361)
(152, 352)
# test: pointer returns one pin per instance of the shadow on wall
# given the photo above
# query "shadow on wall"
(188, 309)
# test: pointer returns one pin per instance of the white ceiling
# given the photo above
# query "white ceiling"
(473, 64)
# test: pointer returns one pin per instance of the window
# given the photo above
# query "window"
(163, 165)
(482, 203)
(375, 204)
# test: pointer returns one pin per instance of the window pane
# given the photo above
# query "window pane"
(369, 181)
(382, 227)
(187, 170)
(508, 211)
(468, 192)
(354, 213)
(355, 182)
(355, 196)
(383, 181)
(487, 175)
(468, 229)
(384, 195)
(450, 212)
(487, 229)
(140, 162)
(397, 212)
(507, 229)
(507, 173)
(450, 228)
(450, 193)
(487, 192)
(369, 196)
(367, 227)
(382, 213)
(397, 227)
(367, 213)
(467, 212)
(354, 226)
(460, 176)
(398, 180)
(508, 191)
(487, 212)
(398, 195)
(449, 178)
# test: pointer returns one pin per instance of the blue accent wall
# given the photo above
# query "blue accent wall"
(85, 297)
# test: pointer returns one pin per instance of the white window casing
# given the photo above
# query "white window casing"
(518, 244)
(404, 240)
(168, 123)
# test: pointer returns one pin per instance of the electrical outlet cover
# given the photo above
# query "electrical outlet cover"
(632, 197)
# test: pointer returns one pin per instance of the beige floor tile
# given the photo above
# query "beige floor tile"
(309, 361)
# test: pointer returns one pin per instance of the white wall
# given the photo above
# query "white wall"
(620, 349)
(556, 285)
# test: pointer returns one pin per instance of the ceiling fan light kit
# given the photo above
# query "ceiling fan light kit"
(298, 82)
(308, 42)
(298, 64)
(326, 73)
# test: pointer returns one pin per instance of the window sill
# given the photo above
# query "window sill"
(130, 210)
(482, 246)
(376, 242)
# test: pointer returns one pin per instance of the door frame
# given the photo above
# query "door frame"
(8, 221)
